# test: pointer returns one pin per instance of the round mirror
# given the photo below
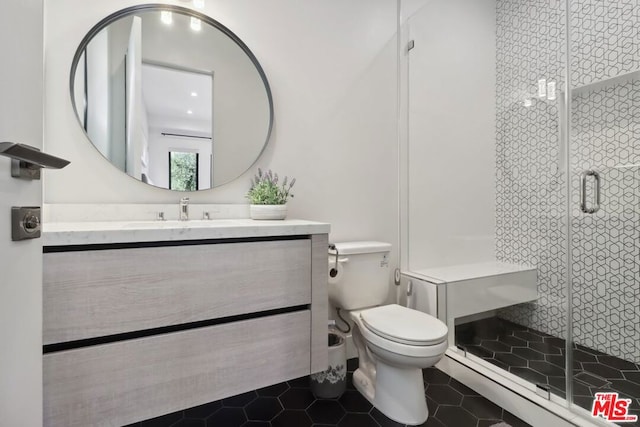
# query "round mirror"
(171, 97)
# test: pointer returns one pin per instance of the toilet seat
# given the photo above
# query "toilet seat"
(404, 325)
(437, 347)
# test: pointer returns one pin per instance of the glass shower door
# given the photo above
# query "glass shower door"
(604, 163)
(486, 172)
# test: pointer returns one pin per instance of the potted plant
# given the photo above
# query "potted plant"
(269, 198)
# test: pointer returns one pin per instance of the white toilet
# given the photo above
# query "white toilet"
(394, 343)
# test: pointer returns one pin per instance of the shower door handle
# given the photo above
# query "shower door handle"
(583, 191)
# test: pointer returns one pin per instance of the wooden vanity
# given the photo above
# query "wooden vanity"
(138, 329)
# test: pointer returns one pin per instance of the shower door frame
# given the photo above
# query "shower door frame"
(576, 177)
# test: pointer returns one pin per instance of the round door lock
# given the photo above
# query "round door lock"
(31, 223)
(25, 223)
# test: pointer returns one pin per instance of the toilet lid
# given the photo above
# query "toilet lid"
(404, 325)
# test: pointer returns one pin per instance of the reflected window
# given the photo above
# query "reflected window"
(183, 171)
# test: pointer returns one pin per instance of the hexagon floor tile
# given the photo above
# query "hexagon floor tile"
(540, 358)
(291, 404)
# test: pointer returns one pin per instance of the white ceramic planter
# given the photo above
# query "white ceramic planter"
(268, 211)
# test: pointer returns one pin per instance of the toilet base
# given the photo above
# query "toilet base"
(396, 392)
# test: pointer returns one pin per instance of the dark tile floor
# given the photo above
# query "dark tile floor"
(540, 359)
(291, 404)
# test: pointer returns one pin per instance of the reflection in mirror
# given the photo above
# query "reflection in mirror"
(171, 97)
(179, 113)
(183, 171)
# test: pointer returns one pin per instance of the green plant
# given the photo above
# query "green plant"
(265, 189)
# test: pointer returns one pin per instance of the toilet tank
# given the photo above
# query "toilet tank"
(363, 274)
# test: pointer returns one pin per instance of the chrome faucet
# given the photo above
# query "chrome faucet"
(184, 209)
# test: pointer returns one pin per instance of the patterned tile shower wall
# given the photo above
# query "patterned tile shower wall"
(604, 39)
(530, 194)
(605, 128)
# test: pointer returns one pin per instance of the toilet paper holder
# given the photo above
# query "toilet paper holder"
(334, 270)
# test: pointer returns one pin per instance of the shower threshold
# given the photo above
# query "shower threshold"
(539, 359)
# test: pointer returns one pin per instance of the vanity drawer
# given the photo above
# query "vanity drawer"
(96, 293)
(128, 381)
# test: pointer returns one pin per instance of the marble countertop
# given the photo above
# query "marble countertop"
(105, 232)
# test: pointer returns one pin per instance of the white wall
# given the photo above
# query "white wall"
(332, 68)
(450, 145)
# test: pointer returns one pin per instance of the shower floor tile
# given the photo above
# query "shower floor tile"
(540, 358)
(291, 404)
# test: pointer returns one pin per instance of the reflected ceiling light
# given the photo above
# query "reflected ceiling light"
(528, 102)
(166, 17)
(194, 93)
(196, 24)
(189, 112)
(198, 4)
